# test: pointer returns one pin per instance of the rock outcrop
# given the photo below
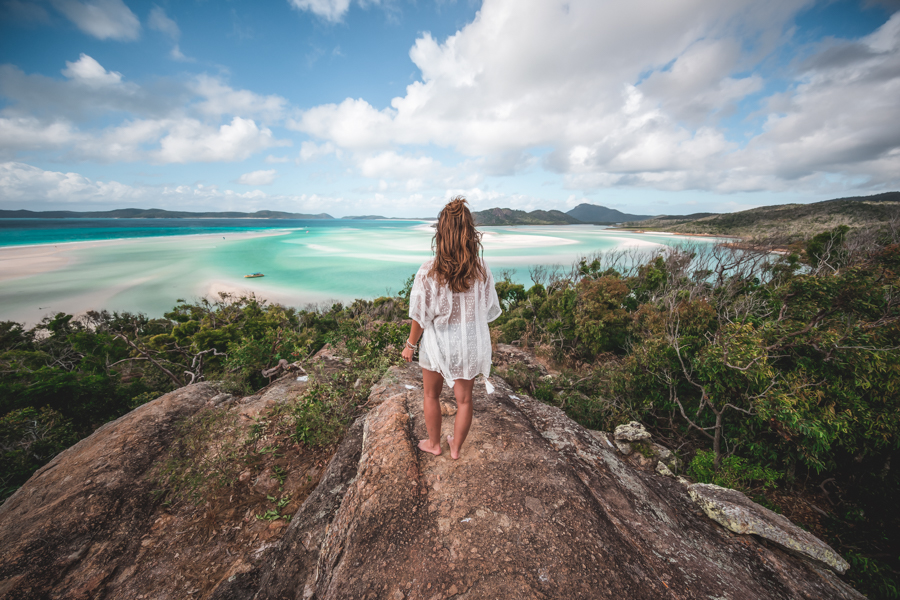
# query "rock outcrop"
(536, 507)
(68, 531)
(739, 514)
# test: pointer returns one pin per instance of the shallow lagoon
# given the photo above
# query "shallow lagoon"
(304, 262)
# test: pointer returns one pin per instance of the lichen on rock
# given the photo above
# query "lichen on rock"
(734, 511)
(632, 432)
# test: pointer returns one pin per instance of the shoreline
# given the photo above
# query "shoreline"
(704, 235)
(252, 233)
(147, 274)
(27, 260)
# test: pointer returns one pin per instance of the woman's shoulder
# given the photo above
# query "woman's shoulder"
(426, 266)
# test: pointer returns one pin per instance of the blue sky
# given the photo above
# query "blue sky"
(393, 106)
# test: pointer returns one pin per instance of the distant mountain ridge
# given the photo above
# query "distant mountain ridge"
(508, 216)
(154, 213)
(381, 218)
(594, 213)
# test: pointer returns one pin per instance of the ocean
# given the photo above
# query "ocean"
(143, 265)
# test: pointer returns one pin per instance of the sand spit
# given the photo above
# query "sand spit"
(24, 261)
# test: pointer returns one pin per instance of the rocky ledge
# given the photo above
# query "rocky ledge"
(536, 507)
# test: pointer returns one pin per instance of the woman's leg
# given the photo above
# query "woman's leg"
(462, 389)
(433, 383)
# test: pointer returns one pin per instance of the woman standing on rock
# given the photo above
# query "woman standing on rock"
(452, 301)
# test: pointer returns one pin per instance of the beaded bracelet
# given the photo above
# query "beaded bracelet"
(413, 346)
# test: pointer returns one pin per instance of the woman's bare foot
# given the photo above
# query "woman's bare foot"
(454, 451)
(425, 446)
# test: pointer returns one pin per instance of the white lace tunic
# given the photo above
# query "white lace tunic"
(456, 341)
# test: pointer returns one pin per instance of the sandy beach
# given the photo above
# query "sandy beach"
(36, 280)
(302, 267)
(25, 261)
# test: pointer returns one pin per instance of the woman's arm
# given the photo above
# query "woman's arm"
(414, 334)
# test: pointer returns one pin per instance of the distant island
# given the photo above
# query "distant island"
(154, 213)
(582, 214)
(593, 213)
(381, 218)
(508, 216)
(787, 220)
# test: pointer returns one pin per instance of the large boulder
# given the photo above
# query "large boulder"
(739, 514)
(69, 531)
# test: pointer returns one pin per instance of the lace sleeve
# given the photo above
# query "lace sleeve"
(421, 307)
(492, 302)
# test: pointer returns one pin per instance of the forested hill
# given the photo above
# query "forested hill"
(788, 221)
(154, 213)
(508, 216)
(592, 213)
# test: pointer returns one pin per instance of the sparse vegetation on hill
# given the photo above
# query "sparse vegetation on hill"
(508, 216)
(786, 223)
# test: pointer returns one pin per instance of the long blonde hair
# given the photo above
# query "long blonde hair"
(457, 248)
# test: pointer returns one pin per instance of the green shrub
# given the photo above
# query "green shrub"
(600, 320)
(872, 577)
(318, 417)
(30, 437)
(735, 472)
(513, 329)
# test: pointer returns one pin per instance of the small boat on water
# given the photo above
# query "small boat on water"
(252, 275)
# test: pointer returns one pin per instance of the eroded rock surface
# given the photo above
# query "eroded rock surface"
(536, 507)
(69, 531)
(734, 510)
(90, 524)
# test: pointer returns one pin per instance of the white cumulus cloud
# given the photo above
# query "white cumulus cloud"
(220, 99)
(635, 94)
(258, 177)
(103, 19)
(202, 120)
(396, 166)
(312, 151)
(89, 72)
(38, 189)
(28, 133)
(19, 181)
(330, 10)
(192, 141)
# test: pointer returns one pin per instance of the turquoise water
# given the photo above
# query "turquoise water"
(21, 232)
(303, 262)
